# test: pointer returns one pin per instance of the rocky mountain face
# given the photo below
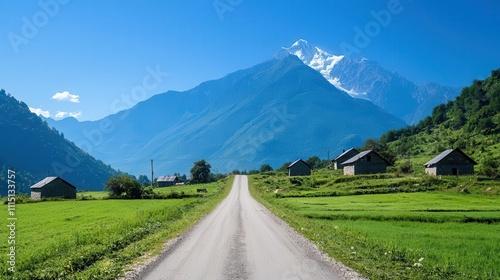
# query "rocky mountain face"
(274, 112)
(366, 79)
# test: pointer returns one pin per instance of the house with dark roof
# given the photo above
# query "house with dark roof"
(52, 187)
(450, 162)
(344, 156)
(165, 181)
(299, 168)
(367, 162)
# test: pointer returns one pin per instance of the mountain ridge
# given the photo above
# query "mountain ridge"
(470, 122)
(242, 120)
(35, 150)
(367, 79)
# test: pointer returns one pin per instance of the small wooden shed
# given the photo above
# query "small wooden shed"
(337, 162)
(52, 187)
(367, 162)
(299, 168)
(166, 181)
(450, 162)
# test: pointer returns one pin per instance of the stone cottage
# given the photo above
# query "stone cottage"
(450, 162)
(367, 162)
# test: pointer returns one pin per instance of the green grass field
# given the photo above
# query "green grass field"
(187, 189)
(392, 227)
(96, 239)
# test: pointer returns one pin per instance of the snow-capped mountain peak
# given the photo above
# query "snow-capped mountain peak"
(364, 78)
(303, 50)
(313, 56)
(318, 60)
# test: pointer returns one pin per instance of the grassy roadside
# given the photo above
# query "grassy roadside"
(408, 234)
(98, 239)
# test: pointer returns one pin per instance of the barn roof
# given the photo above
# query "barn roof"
(166, 179)
(297, 161)
(444, 154)
(361, 155)
(345, 153)
(356, 157)
(46, 181)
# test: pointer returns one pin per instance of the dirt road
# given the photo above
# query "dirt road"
(240, 239)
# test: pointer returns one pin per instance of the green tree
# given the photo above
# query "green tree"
(144, 180)
(124, 186)
(217, 176)
(404, 167)
(370, 144)
(200, 172)
(382, 149)
(490, 167)
(284, 167)
(265, 168)
(439, 114)
(314, 162)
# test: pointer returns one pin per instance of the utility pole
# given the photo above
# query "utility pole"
(152, 174)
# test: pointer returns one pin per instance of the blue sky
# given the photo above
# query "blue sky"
(92, 58)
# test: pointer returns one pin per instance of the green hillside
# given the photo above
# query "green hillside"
(471, 122)
(33, 151)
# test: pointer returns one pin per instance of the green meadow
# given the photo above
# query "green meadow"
(393, 227)
(96, 238)
(190, 190)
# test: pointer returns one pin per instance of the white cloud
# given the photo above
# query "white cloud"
(75, 115)
(66, 96)
(39, 111)
(61, 115)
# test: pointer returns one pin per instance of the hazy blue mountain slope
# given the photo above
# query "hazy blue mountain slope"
(30, 146)
(273, 112)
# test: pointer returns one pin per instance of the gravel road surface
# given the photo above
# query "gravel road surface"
(241, 239)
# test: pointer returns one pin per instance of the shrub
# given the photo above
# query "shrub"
(124, 186)
(490, 167)
(404, 167)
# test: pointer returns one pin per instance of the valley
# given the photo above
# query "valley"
(399, 223)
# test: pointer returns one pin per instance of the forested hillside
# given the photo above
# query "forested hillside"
(471, 122)
(34, 151)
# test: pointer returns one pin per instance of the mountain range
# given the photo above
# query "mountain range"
(367, 79)
(274, 112)
(34, 151)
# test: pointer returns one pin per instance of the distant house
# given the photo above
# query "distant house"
(450, 162)
(299, 168)
(52, 187)
(165, 181)
(337, 162)
(367, 162)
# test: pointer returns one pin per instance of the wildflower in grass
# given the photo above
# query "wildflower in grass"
(417, 265)
(420, 260)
